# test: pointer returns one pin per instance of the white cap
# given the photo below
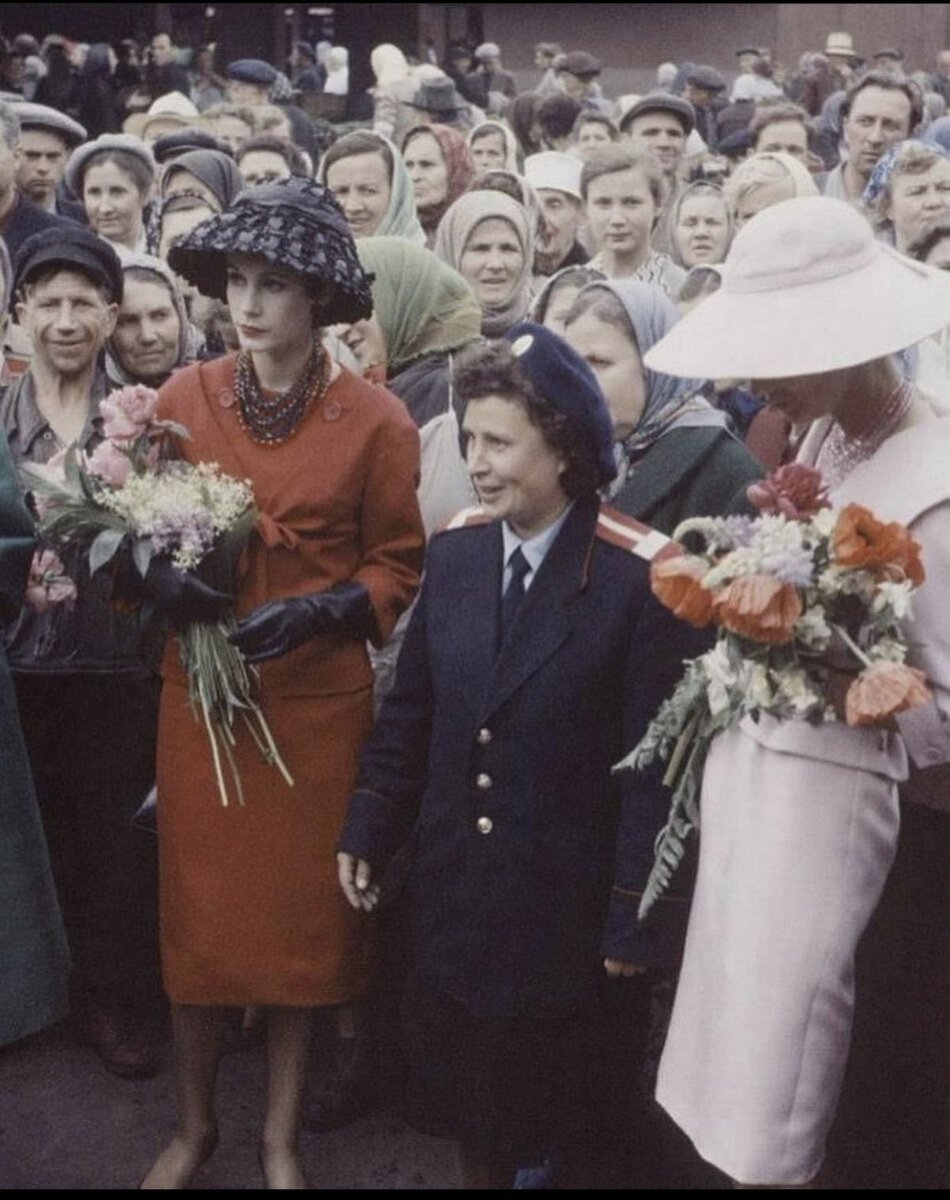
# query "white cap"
(487, 50)
(555, 170)
(172, 104)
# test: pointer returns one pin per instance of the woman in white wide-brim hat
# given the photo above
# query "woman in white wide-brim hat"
(800, 823)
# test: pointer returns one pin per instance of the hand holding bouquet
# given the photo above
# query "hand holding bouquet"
(184, 526)
(798, 594)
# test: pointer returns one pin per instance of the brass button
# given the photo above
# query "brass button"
(483, 782)
(483, 737)
(484, 825)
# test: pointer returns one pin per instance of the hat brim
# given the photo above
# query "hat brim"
(876, 310)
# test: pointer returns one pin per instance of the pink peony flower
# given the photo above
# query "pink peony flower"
(110, 464)
(795, 491)
(128, 412)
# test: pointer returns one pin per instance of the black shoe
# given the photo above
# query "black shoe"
(119, 1039)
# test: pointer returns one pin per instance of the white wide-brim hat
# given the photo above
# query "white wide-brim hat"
(806, 288)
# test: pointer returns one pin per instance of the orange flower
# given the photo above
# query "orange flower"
(859, 539)
(883, 689)
(760, 608)
(677, 583)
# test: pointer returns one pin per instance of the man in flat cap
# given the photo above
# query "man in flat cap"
(47, 138)
(704, 90)
(250, 81)
(659, 124)
(578, 73)
(490, 86)
(19, 219)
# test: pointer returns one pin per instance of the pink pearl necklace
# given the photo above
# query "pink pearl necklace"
(840, 454)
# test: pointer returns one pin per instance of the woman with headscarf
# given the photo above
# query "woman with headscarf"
(440, 167)
(250, 910)
(908, 188)
(763, 180)
(487, 237)
(367, 175)
(677, 456)
(493, 147)
(209, 174)
(556, 299)
(152, 335)
(801, 822)
(700, 225)
(338, 72)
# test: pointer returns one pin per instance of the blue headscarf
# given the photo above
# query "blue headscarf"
(884, 167)
(938, 132)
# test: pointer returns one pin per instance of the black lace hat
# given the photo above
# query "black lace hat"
(294, 223)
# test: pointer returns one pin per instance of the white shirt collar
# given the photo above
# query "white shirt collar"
(534, 549)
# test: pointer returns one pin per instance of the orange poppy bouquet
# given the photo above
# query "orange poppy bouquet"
(799, 595)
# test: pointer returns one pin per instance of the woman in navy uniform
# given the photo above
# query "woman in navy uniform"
(535, 658)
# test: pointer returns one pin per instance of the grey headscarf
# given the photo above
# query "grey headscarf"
(671, 402)
(215, 170)
(190, 341)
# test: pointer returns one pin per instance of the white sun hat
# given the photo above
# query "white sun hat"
(806, 288)
(555, 170)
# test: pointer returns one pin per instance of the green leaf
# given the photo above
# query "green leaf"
(142, 554)
(103, 548)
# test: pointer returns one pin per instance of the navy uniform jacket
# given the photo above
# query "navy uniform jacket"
(499, 767)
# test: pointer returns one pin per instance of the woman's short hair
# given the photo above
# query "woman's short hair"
(360, 141)
(556, 115)
(913, 159)
(616, 159)
(131, 164)
(492, 369)
(605, 306)
(295, 161)
(772, 114)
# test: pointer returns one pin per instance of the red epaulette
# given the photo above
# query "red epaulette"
(468, 516)
(629, 534)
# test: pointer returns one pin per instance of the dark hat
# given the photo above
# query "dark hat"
(295, 223)
(736, 144)
(661, 102)
(746, 50)
(439, 96)
(561, 377)
(307, 49)
(579, 63)
(252, 70)
(74, 248)
(887, 52)
(707, 78)
(38, 116)
(183, 140)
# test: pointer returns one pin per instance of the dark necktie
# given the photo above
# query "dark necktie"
(514, 595)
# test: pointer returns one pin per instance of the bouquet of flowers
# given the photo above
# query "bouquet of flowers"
(801, 597)
(124, 494)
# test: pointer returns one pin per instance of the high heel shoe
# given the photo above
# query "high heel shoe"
(289, 1178)
(177, 1176)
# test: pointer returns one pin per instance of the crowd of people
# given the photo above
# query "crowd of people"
(478, 353)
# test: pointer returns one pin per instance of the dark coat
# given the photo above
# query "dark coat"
(500, 766)
(689, 472)
(25, 220)
(34, 961)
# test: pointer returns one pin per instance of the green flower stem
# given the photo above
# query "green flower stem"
(682, 745)
(851, 644)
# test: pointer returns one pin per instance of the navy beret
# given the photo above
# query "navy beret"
(252, 70)
(561, 377)
(74, 248)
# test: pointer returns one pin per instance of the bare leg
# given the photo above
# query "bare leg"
(198, 1035)
(288, 1041)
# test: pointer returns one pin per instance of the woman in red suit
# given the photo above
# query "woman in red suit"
(251, 914)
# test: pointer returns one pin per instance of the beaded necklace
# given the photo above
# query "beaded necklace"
(275, 420)
(840, 454)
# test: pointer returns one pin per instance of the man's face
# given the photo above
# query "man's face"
(878, 119)
(161, 49)
(789, 137)
(562, 216)
(9, 162)
(68, 322)
(576, 86)
(660, 135)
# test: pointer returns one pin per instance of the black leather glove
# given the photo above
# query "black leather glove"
(277, 628)
(182, 598)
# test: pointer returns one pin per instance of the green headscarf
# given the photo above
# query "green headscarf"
(401, 219)
(422, 305)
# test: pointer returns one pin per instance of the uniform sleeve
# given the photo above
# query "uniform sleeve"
(391, 531)
(658, 649)
(926, 729)
(17, 541)
(395, 760)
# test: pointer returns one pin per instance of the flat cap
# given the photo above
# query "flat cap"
(39, 116)
(888, 52)
(579, 63)
(661, 102)
(252, 70)
(183, 140)
(747, 50)
(75, 248)
(707, 78)
(487, 50)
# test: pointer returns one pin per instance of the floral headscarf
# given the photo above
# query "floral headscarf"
(401, 219)
(455, 229)
(458, 162)
(884, 167)
(422, 305)
(671, 402)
